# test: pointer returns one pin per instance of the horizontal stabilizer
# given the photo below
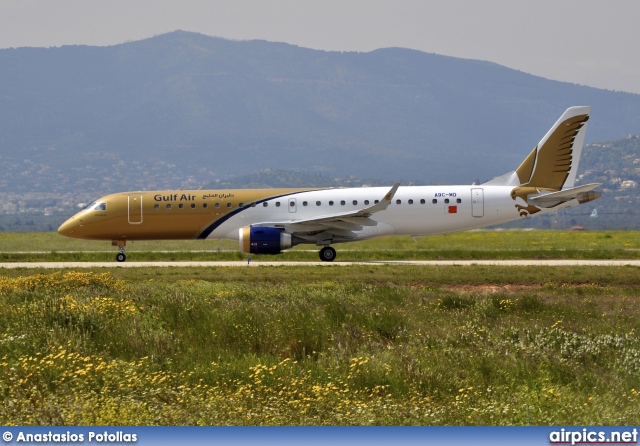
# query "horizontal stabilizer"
(582, 193)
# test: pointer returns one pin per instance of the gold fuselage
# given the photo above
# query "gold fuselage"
(163, 215)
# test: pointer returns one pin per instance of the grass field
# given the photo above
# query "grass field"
(21, 247)
(347, 345)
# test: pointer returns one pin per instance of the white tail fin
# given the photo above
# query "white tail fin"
(553, 163)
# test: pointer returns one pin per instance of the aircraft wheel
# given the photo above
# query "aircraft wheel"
(327, 254)
(121, 257)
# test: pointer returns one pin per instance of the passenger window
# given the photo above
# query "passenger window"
(240, 205)
(318, 203)
(217, 205)
(376, 201)
(458, 200)
(193, 205)
(434, 201)
(355, 202)
(304, 203)
(366, 202)
(398, 201)
(277, 204)
(343, 203)
(156, 206)
(229, 205)
(181, 206)
(422, 201)
(410, 201)
(205, 205)
(253, 205)
(331, 203)
(168, 206)
(446, 200)
(265, 204)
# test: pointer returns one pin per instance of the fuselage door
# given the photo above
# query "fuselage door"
(477, 202)
(135, 209)
(292, 205)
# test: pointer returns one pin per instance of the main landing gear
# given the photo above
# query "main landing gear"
(121, 256)
(327, 254)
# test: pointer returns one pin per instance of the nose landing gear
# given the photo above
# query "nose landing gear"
(121, 256)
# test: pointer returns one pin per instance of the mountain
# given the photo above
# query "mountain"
(184, 109)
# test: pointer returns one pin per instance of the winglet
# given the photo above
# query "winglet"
(391, 193)
(382, 204)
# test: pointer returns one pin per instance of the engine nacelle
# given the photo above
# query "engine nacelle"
(263, 240)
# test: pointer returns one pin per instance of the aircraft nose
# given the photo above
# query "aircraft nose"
(68, 228)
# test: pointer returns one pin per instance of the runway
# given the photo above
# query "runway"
(253, 264)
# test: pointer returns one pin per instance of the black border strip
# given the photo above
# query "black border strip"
(216, 224)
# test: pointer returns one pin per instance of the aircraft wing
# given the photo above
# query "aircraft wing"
(340, 225)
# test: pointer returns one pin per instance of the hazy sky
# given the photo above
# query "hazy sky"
(588, 42)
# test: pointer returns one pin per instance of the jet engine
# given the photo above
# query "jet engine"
(263, 240)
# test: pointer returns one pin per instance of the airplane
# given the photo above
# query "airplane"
(270, 221)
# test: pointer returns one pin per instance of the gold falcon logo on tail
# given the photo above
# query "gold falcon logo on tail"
(553, 161)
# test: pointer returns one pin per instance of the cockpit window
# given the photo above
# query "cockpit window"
(99, 207)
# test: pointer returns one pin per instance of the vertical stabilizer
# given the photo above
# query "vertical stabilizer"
(553, 163)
